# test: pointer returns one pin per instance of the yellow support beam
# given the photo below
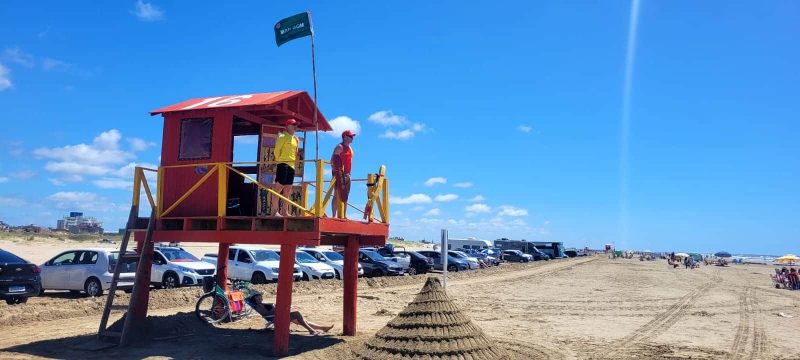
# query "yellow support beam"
(385, 201)
(160, 192)
(222, 189)
(320, 209)
(136, 191)
(190, 191)
(147, 191)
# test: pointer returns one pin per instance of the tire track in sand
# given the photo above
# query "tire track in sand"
(661, 323)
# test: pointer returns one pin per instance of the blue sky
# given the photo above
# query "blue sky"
(500, 121)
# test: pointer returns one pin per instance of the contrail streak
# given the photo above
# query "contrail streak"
(630, 57)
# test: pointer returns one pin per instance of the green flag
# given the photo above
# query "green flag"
(293, 27)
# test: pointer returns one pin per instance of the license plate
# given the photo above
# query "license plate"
(16, 289)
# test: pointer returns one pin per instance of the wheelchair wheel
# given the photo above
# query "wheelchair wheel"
(212, 308)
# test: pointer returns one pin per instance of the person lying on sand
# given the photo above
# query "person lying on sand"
(267, 311)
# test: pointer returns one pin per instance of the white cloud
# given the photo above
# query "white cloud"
(3, 179)
(463, 185)
(411, 199)
(50, 64)
(547, 222)
(83, 201)
(435, 180)
(112, 183)
(76, 168)
(147, 11)
(478, 208)
(56, 182)
(418, 208)
(445, 197)
(507, 210)
(477, 198)
(17, 56)
(387, 118)
(141, 145)
(11, 202)
(525, 128)
(342, 123)
(104, 150)
(23, 175)
(433, 212)
(5, 78)
(398, 135)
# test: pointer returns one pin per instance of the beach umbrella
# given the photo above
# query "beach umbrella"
(681, 255)
(788, 259)
(723, 254)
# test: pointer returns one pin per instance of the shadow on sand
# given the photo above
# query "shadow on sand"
(179, 336)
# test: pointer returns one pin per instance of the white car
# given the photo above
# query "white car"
(333, 259)
(174, 267)
(312, 268)
(472, 261)
(253, 264)
(88, 270)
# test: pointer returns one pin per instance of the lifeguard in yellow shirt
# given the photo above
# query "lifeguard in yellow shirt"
(286, 156)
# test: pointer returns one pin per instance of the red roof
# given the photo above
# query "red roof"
(264, 108)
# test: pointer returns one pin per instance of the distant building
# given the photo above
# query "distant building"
(76, 223)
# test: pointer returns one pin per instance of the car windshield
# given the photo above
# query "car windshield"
(374, 256)
(178, 255)
(305, 258)
(7, 257)
(265, 255)
(458, 254)
(333, 255)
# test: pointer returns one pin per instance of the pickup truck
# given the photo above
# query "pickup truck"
(388, 252)
(253, 264)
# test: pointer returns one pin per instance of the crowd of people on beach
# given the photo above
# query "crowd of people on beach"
(786, 279)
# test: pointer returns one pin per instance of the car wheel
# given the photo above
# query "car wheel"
(336, 274)
(522, 260)
(305, 277)
(10, 301)
(258, 278)
(377, 273)
(170, 281)
(452, 268)
(93, 287)
(412, 271)
(21, 300)
(41, 292)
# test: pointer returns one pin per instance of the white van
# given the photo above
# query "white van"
(468, 243)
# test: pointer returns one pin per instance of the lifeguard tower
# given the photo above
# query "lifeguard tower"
(202, 195)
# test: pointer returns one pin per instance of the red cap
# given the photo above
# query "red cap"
(292, 122)
(348, 133)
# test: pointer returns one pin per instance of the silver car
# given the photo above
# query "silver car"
(88, 270)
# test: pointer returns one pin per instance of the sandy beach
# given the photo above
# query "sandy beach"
(580, 308)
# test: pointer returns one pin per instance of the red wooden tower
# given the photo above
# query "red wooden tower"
(204, 196)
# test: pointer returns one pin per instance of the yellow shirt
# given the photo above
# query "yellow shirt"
(286, 149)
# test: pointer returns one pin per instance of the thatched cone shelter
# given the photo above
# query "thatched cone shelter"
(431, 327)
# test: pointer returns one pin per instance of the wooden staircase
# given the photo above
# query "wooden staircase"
(135, 224)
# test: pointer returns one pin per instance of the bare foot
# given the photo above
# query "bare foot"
(326, 328)
(277, 214)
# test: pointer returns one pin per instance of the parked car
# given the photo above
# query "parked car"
(174, 267)
(571, 253)
(487, 260)
(538, 255)
(252, 263)
(332, 259)
(312, 268)
(389, 252)
(88, 270)
(376, 265)
(19, 279)
(420, 264)
(471, 261)
(453, 264)
(496, 253)
(516, 256)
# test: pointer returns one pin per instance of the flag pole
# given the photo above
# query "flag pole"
(314, 71)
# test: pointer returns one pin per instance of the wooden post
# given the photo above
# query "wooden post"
(222, 265)
(350, 278)
(283, 303)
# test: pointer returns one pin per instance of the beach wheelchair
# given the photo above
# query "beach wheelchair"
(217, 305)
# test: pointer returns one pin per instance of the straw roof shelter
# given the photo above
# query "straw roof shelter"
(431, 327)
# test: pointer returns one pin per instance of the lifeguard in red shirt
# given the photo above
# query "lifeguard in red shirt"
(342, 163)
